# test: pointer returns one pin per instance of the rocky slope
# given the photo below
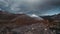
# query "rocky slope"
(23, 24)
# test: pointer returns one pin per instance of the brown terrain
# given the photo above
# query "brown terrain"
(12, 21)
(18, 19)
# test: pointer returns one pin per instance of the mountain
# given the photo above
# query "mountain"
(25, 19)
(6, 17)
(10, 22)
(54, 22)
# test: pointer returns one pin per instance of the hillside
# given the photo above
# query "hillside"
(14, 23)
(54, 22)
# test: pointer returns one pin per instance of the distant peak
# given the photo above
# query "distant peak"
(36, 17)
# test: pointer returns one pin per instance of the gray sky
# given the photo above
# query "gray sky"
(39, 7)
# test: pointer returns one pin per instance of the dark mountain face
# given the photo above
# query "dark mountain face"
(6, 17)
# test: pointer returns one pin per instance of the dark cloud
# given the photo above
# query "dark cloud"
(44, 7)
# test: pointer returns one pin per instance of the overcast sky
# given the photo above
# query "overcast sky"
(39, 7)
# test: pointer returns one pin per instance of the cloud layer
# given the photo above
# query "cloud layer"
(39, 7)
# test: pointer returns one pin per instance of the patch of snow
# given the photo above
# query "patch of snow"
(36, 17)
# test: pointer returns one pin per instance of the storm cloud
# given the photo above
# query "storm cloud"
(39, 7)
